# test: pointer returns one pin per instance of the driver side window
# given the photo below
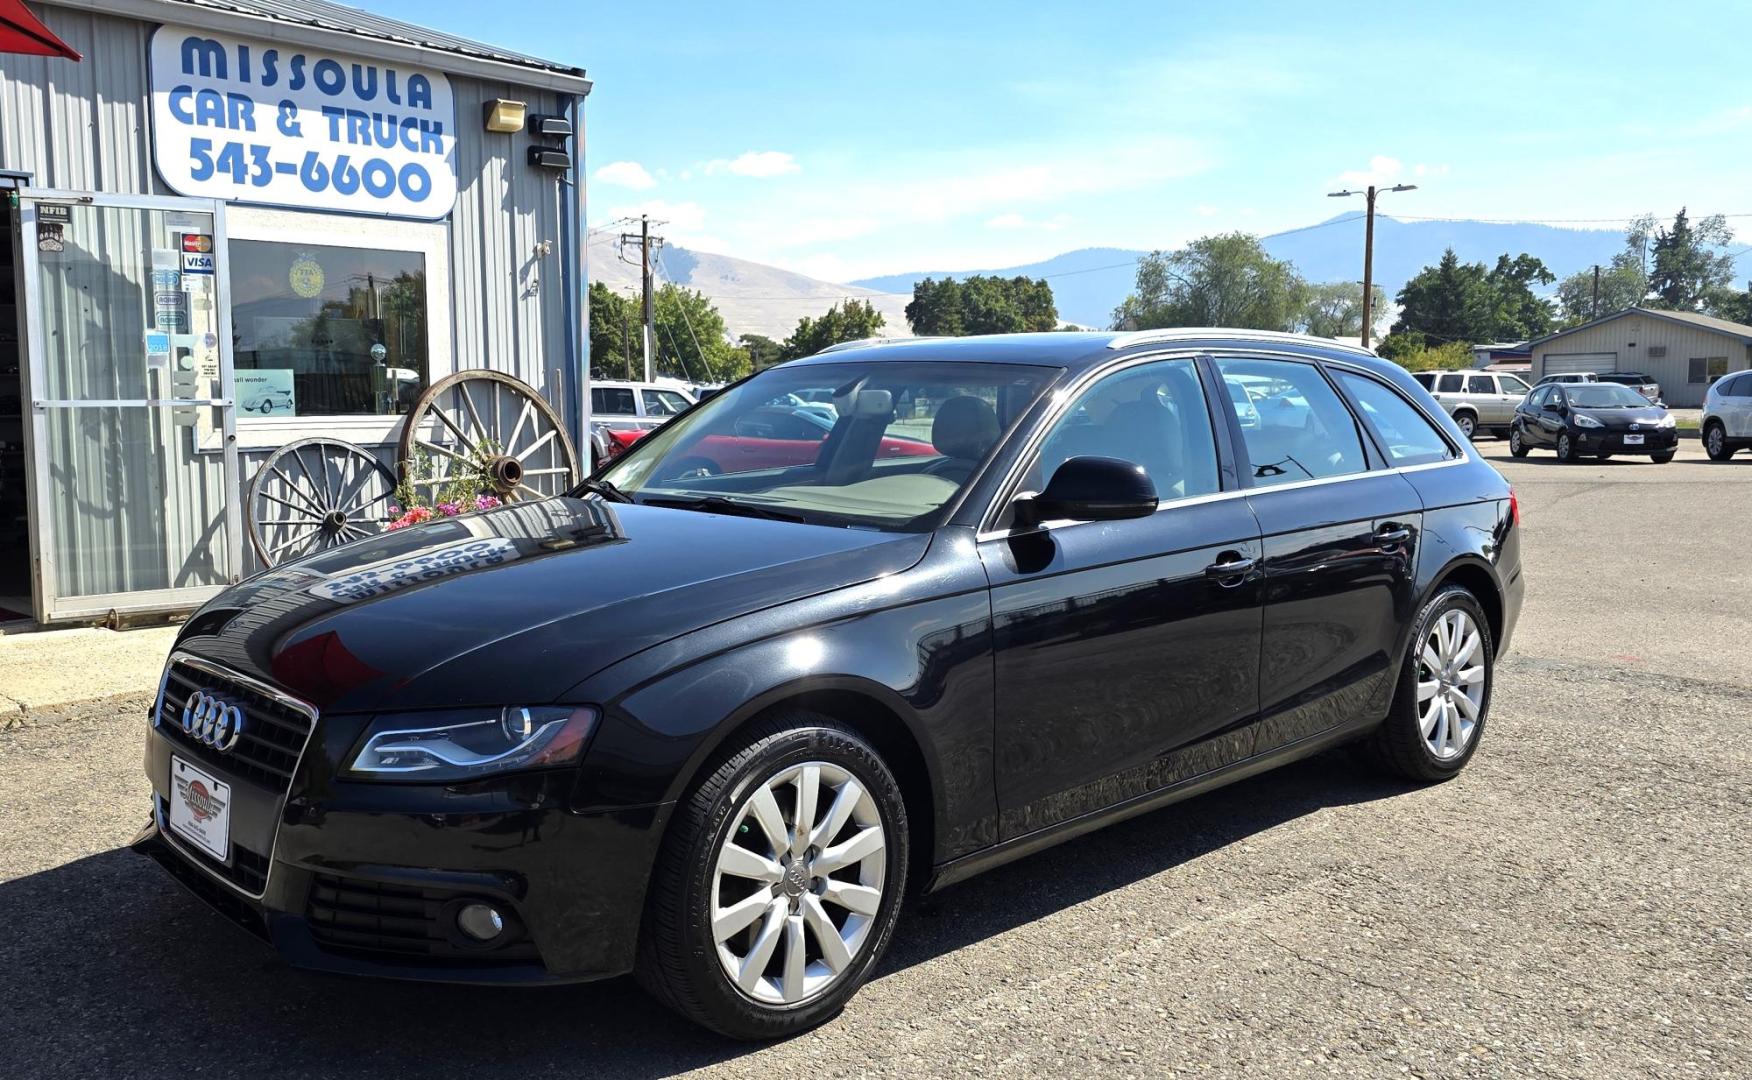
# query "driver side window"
(1152, 415)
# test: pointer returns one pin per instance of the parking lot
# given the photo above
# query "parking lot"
(1578, 903)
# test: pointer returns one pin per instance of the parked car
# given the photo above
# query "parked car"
(1593, 419)
(622, 412)
(1569, 377)
(713, 729)
(1727, 416)
(1477, 400)
(1636, 380)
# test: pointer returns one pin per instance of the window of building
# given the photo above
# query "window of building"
(327, 331)
(1707, 369)
(1152, 415)
(612, 401)
(1450, 384)
(1408, 435)
(1303, 432)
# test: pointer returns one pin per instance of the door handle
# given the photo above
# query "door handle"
(1231, 565)
(1392, 535)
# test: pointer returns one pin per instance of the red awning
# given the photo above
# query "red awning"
(21, 32)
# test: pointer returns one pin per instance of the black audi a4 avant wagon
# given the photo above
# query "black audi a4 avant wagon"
(860, 626)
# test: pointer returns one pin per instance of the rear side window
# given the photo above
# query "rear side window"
(1425, 379)
(1741, 387)
(1480, 384)
(612, 401)
(1303, 431)
(1450, 384)
(1407, 435)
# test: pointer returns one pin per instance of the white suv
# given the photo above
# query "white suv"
(1727, 415)
(1477, 400)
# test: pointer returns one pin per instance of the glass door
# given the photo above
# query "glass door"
(132, 448)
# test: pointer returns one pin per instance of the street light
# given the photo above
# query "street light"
(1369, 248)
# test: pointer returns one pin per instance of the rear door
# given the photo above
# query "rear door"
(1482, 391)
(1737, 407)
(1339, 532)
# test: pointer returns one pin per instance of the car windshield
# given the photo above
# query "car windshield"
(880, 444)
(1605, 396)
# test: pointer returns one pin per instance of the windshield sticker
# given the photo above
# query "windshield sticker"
(389, 575)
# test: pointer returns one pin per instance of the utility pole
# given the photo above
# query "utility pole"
(645, 241)
(1369, 251)
(1594, 310)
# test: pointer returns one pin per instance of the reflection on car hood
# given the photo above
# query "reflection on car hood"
(522, 602)
(1624, 418)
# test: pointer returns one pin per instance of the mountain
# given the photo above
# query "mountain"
(1088, 284)
(752, 297)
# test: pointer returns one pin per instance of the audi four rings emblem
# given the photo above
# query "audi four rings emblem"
(209, 720)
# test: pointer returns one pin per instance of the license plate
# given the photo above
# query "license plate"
(200, 809)
(1633, 440)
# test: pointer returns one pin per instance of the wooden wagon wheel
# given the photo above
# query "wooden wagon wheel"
(491, 426)
(316, 494)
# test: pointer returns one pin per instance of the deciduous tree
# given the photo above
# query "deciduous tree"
(981, 305)
(855, 321)
(1226, 280)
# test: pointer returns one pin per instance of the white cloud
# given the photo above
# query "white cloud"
(680, 223)
(1384, 170)
(761, 164)
(1017, 221)
(1206, 211)
(627, 174)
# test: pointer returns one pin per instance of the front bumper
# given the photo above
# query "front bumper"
(1611, 441)
(364, 878)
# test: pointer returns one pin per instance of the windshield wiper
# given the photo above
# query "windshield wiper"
(718, 504)
(603, 488)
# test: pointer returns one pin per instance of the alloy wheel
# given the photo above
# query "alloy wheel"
(1467, 424)
(1450, 684)
(1717, 441)
(1563, 447)
(798, 884)
(1514, 440)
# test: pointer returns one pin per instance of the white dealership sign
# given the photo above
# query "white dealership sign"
(257, 122)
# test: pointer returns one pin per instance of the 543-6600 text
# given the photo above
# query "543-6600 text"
(254, 164)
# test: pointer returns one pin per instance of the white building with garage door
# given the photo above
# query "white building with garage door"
(1682, 350)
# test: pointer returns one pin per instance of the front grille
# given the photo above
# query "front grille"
(354, 915)
(248, 870)
(273, 737)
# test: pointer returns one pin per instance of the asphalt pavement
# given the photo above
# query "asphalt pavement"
(1577, 903)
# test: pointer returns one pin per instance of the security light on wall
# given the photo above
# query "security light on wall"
(504, 116)
(550, 127)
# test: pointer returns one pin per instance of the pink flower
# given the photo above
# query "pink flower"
(449, 509)
(487, 502)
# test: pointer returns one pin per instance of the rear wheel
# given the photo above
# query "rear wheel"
(1566, 451)
(1468, 423)
(779, 882)
(1517, 442)
(1715, 441)
(1439, 709)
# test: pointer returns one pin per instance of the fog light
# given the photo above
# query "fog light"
(482, 922)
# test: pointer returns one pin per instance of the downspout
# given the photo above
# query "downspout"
(578, 289)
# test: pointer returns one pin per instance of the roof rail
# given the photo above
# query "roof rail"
(1181, 333)
(862, 343)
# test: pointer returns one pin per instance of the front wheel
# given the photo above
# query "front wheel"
(1517, 442)
(1566, 451)
(778, 883)
(1438, 712)
(1661, 459)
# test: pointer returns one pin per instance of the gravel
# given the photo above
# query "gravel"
(1578, 903)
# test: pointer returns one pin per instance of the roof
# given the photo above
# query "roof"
(268, 18)
(1688, 318)
(1079, 350)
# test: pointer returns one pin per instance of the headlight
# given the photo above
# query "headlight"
(1667, 421)
(1584, 420)
(468, 743)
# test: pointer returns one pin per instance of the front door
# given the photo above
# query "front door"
(131, 451)
(1126, 660)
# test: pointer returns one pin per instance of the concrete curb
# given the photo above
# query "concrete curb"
(16, 717)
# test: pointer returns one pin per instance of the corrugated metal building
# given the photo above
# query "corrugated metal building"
(300, 212)
(1682, 350)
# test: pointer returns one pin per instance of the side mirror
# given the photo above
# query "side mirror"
(1091, 489)
(1552, 406)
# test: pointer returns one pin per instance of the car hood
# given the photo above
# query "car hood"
(1624, 418)
(518, 604)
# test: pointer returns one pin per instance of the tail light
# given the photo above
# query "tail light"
(1514, 508)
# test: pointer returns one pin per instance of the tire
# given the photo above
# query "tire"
(681, 962)
(1517, 443)
(1468, 423)
(1604, 457)
(1405, 743)
(1661, 459)
(1566, 452)
(1715, 442)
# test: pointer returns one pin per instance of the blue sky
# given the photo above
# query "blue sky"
(844, 141)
